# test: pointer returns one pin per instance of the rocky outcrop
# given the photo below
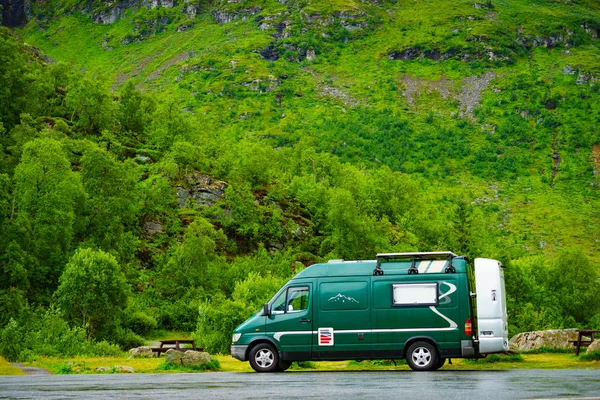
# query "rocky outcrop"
(204, 191)
(559, 338)
(14, 12)
(226, 16)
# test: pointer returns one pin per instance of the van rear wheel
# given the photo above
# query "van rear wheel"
(264, 358)
(422, 356)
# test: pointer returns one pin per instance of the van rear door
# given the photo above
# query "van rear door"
(492, 321)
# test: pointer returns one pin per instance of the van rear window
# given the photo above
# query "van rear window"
(415, 294)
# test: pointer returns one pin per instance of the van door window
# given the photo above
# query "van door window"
(294, 299)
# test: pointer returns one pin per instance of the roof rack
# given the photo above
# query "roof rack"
(428, 255)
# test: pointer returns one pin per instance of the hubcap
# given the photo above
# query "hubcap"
(421, 356)
(264, 358)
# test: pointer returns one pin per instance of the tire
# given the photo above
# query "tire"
(441, 362)
(283, 365)
(264, 358)
(422, 356)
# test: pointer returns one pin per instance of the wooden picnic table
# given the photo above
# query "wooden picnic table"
(584, 342)
(176, 344)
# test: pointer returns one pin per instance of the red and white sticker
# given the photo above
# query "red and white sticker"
(325, 336)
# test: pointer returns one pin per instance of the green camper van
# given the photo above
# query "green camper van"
(422, 307)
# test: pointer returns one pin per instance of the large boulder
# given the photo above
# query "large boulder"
(558, 338)
(595, 346)
(141, 352)
(192, 357)
(173, 356)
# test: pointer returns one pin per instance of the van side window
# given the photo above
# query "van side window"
(415, 294)
(294, 299)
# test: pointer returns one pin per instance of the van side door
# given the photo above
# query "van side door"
(290, 323)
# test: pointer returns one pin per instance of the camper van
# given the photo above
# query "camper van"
(422, 307)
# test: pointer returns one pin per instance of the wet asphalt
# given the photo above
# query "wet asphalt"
(514, 384)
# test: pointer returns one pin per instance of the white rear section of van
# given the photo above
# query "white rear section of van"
(492, 319)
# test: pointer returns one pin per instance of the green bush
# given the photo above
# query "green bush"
(591, 356)
(140, 323)
(105, 349)
(126, 339)
(214, 365)
(546, 349)
(64, 369)
(179, 316)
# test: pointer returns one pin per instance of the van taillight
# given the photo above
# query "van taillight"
(468, 327)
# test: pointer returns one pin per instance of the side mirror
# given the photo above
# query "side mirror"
(266, 310)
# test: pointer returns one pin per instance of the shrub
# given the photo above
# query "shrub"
(140, 323)
(592, 356)
(214, 365)
(105, 349)
(126, 339)
(179, 316)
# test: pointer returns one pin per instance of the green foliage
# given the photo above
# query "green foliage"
(140, 323)
(42, 333)
(93, 292)
(213, 365)
(415, 127)
(496, 358)
(592, 356)
(64, 369)
(546, 349)
(219, 315)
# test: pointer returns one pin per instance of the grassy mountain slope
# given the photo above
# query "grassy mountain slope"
(497, 99)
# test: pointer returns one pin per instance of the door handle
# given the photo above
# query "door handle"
(304, 320)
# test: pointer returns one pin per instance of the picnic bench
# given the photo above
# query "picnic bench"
(176, 344)
(584, 339)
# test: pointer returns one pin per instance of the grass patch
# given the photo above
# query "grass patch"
(6, 369)
(496, 358)
(214, 365)
(546, 349)
(593, 356)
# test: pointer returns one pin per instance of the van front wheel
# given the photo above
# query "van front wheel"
(264, 358)
(422, 356)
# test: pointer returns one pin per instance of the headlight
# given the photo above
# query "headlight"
(236, 337)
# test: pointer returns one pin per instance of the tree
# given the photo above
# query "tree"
(191, 262)
(135, 109)
(90, 104)
(93, 291)
(46, 192)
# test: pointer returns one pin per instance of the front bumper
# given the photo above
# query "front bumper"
(239, 352)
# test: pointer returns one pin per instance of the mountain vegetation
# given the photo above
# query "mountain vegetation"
(168, 164)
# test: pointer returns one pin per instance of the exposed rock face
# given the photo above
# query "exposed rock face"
(534, 340)
(204, 192)
(14, 12)
(595, 346)
(225, 16)
(142, 352)
(192, 357)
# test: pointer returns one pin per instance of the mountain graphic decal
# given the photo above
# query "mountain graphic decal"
(340, 298)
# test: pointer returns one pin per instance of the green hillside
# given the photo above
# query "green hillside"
(212, 148)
